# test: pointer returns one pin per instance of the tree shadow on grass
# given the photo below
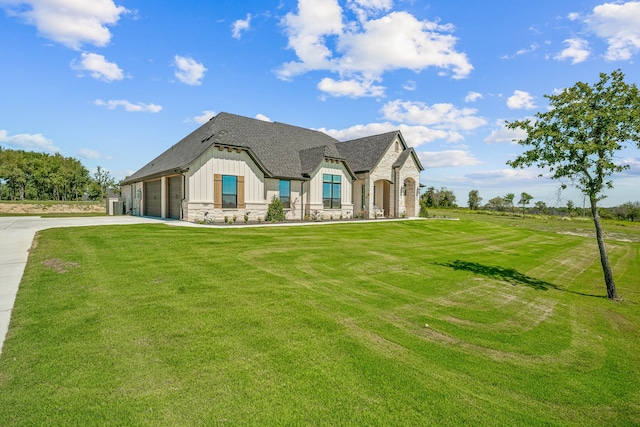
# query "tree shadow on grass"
(509, 275)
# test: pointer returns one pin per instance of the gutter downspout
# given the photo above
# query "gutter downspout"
(301, 200)
(184, 188)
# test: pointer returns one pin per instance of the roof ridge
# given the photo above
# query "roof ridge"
(393, 132)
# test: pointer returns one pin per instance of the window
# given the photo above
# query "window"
(229, 192)
(363, 197)
(285, 193)
(331, 191)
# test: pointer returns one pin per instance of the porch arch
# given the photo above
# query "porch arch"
(382, 196)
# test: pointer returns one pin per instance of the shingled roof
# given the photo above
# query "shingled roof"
(280, 150)
(363, 154)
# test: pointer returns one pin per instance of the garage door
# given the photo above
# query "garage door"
(152, 198)
(175, 196)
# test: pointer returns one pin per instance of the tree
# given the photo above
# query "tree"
(509, 201)
(633, 210)
(541, 207)
(102, 181)
(442, 198)
(474, 200)
(447, 198)
(570, 207)
(41, 176)
(629, 210)
(577, 139)
(431, 198)
(496, 204)
(525, 198)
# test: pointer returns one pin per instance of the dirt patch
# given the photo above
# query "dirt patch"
(608, 236)
(59, 266)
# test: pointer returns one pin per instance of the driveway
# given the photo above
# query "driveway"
(16, 236)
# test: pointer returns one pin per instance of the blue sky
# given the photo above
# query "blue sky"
(116, 82)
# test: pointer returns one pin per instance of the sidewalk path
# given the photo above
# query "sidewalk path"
(16, 236)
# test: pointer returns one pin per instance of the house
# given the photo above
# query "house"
(234, 165)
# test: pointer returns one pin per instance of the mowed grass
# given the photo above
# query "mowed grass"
(477, 322)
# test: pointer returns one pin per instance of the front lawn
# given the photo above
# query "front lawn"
(478, 322)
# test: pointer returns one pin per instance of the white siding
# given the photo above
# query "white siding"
(225, 162)
(315, 188)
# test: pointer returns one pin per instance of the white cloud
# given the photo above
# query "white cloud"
(29, 142)
(204, 117)
(505, 135)
(363, 50)
(532, 48)
(418, 122)
(364, 8)
(87, 153)
(619, 24)
(634, 165)
(128, 106)
(505, 175)
(409, 85)
(473, 96)
(71, 23)
(316, 20)
(188, 70)
(578, 51)
(520, 100)
(573, 16)
(98, 67)
(352, 88)
(399, 40)
(442, 116)
(447, 158)
(240, 26)
(263, 118)
(413, 135)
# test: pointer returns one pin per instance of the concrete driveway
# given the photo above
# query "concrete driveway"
(16, 236)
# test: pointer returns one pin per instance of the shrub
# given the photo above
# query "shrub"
(423, 208)
(275, 211)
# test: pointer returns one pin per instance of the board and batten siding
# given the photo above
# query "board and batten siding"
(315, 186)
(224, 162)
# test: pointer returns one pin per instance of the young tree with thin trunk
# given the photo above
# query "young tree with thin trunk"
(509, 201)
(525, 198)
(578, 138)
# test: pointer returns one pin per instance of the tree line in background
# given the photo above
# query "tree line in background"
(433, 198)
(27, 175)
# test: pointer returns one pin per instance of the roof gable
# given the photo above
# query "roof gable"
(280, 150)
(177, 157)
(402, 158)
(275, 145)
(363, 154)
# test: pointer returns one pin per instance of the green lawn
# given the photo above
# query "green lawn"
(482, 321)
